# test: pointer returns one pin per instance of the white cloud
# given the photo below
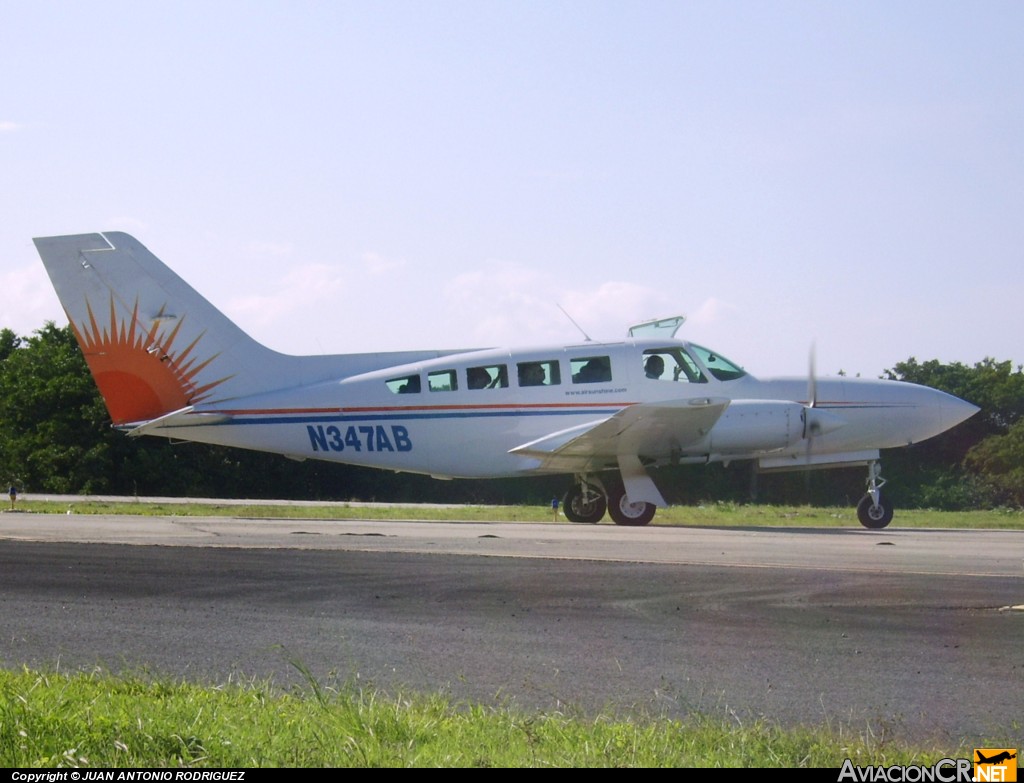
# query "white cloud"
(511, 304)
(7, 125)
(376, 264)
(710, 312)
(127, 224)
(503, 304)
(607, 311)
(271, 249)
(302, 290)
(29, 299)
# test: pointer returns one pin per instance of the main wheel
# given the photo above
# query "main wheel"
(623, 512)
(584, 504)
(872, 516)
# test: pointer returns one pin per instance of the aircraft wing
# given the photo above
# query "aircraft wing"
(649, 430)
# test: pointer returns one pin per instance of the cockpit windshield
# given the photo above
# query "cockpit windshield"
(671, 364)
(719, 367)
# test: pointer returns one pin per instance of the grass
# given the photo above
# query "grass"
(707, 515)
(98, 720)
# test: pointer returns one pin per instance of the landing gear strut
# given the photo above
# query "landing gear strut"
(584, 503)
(874, 511)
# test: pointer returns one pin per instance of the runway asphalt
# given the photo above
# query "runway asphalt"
(897, 632)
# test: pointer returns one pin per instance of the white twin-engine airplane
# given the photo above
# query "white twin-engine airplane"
(170, 364)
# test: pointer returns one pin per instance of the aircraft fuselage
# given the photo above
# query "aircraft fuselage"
(448, 429)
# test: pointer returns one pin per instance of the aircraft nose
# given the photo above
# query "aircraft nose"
(953, 410)
(931, 412)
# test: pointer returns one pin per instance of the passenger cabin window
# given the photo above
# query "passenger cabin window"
(409, 384)
(494, 376)
(591, 369)
(718, 365)
(539, 373)
(671, 364)
(442, 380)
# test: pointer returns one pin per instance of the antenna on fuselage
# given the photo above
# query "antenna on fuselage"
(586, 336)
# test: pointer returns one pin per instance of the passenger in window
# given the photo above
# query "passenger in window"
(531, 374)
(596, 370)
(411, 386)
(477, 378)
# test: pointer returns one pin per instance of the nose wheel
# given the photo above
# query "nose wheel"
(874, 511)
(874, 515)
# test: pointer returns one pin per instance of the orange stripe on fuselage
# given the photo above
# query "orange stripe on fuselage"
(410, 408)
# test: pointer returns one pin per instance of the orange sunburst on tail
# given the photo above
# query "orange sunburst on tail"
(138, 371)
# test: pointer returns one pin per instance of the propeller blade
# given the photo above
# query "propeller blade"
(809, 424)
(812, 378)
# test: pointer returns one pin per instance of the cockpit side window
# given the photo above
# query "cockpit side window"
(720, 367)
(538, 373)
(407, 384)
(442, 380)
(591, 369)
(494, 376)
(671, 364)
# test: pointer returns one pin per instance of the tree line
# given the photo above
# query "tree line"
(55, 436)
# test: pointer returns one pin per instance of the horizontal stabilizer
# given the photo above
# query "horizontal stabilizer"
(185, 417)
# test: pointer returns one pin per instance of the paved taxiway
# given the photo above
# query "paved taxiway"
(904, 631)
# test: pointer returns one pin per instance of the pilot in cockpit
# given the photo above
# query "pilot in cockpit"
(654, 367)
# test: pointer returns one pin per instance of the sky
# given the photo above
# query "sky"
(390, 175)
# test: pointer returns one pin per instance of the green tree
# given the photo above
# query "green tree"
(53, 422)
(996, 387)
(936, 472)
(9, 343)
(998, 463)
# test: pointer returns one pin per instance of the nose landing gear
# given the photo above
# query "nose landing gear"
(874, 511)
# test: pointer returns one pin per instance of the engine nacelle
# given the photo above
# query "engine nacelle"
(757, 426)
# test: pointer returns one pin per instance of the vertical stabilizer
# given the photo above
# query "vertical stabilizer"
(153, 344)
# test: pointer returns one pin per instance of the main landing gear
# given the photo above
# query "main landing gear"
(587, 501)
(874, 511)
(623, 512)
